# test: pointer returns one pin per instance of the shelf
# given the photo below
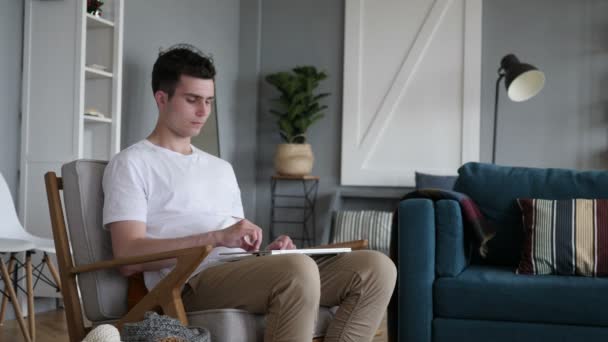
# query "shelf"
(379, 193)
(94, 119)
(96, 22)
(92, 73)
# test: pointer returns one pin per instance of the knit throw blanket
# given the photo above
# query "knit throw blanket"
(473, 218)
(157, 328)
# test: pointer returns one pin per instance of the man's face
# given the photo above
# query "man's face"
(189, 107)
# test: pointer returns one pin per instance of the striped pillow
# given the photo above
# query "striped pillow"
(371, 225)
(566, 237)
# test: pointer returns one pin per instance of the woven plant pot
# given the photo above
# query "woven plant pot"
(293, 159)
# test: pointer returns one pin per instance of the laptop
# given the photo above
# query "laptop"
(307, 251)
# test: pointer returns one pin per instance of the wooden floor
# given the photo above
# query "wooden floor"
(51, 327)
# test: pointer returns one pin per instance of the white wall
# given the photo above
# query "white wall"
(11, 36)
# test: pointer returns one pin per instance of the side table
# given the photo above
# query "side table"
(300, 202)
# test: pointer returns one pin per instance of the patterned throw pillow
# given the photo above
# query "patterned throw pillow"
(371, 225)
(566, 237)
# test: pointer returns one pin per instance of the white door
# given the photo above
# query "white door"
(412, 73)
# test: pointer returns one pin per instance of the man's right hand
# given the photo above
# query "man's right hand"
(242, 234)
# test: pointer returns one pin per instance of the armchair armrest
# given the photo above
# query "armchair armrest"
(139, 259)
(167, 293)
(354, 245)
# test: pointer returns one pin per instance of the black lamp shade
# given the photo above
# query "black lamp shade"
(523, 81)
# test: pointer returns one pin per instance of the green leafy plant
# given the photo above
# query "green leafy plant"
(94, 7)
(299, 107)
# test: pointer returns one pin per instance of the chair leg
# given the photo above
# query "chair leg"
(53, 270)
(31, 311)
(13, 297)
(11, 268)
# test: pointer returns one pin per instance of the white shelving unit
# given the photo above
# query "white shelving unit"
(93, 119)
(72, 64)
(92, 73)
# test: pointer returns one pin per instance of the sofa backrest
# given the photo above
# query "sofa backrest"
(495, 190)
(104, 293)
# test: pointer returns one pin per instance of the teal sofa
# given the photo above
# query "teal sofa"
(447, 293)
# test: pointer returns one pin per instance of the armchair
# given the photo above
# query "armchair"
(86, 264)
(447, 293)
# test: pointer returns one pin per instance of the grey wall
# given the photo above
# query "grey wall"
(566, 125)
(302, 33)
(11, 36)
(243, 142)
(214, 27)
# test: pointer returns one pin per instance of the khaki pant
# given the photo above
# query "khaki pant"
(290, 288)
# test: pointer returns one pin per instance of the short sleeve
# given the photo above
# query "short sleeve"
(125, 197)
(237, 203)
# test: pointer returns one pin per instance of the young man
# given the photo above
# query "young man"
(163, 194)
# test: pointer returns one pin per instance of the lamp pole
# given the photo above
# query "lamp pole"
(501, 75)
(523, 81)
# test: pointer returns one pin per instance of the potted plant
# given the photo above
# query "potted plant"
(298, 107)
(94, 7)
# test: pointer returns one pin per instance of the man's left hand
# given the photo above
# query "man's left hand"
(282, 242)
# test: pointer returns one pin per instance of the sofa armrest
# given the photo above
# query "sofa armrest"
(451, 252)
(416, 269)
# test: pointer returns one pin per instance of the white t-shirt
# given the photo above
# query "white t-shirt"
(176, 195)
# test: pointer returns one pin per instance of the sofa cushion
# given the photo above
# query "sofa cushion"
(450, 257)
(567, 237)
(495, 190)
(429, 181)
(498, 294)
(450, 330)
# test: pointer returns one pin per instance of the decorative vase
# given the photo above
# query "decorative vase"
(293, 159)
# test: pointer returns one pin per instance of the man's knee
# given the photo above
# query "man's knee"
(375, 268)
(303, 275)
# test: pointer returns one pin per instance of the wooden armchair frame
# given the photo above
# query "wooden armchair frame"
(165, 295)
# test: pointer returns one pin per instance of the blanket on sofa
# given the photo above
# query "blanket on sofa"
(474, 220)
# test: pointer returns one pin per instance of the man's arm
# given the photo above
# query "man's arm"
(129, 239)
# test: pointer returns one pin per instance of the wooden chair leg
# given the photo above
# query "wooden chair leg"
(13, 297)
(31, 311)
(53, 270)
(11, 268)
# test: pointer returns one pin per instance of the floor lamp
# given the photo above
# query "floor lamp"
(523, 81)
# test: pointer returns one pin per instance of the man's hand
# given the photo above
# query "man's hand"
(282, 242)
(242, 234)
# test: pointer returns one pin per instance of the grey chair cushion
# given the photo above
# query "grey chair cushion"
(104, 293)
(242, 326)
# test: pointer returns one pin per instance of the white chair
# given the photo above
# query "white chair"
(15, 239)
(14, 246)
